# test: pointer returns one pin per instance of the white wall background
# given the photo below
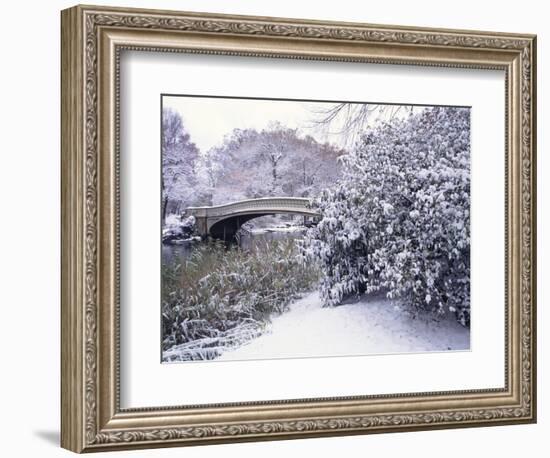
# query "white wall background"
(29, 241)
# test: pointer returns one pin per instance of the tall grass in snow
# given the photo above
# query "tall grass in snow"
(223, 297)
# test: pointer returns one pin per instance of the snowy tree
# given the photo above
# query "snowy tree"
(350, 120)
(399, 219)
(276, 161)
(211, 169)
(273, 151)
(179, 158)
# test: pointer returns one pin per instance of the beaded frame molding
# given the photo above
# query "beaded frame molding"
(92, 40)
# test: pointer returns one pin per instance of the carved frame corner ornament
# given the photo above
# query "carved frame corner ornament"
(92, 38)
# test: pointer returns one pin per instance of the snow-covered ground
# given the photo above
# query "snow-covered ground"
(369, 326)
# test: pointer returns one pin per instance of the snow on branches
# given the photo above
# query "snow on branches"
(179, 157)
(399, 218)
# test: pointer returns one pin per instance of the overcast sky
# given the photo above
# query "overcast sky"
(208, 120)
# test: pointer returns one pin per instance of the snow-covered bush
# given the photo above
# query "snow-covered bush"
(177, 228)
(399, 219)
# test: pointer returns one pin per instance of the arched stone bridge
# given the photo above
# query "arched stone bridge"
(223, 221)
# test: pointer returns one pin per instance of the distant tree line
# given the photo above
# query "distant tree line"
(275, 161)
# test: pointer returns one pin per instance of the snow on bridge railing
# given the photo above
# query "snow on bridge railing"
(262, 203)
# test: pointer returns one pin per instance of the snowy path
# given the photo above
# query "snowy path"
(369, 326)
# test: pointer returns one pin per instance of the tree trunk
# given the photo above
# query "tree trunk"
(164, 207)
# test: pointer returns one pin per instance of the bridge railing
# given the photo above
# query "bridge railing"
(299, 204)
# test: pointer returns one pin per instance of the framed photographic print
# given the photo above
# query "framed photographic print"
(277, 228)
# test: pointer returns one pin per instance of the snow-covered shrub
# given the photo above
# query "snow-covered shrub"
(399, 219)
(221, 297)
(177, 228)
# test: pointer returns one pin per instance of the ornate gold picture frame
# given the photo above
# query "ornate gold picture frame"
(93, 39)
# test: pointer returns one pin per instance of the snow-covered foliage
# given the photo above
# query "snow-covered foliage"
(399, 218)
(275, 161)
(221, 297)
(179, 157)
(177, 228)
